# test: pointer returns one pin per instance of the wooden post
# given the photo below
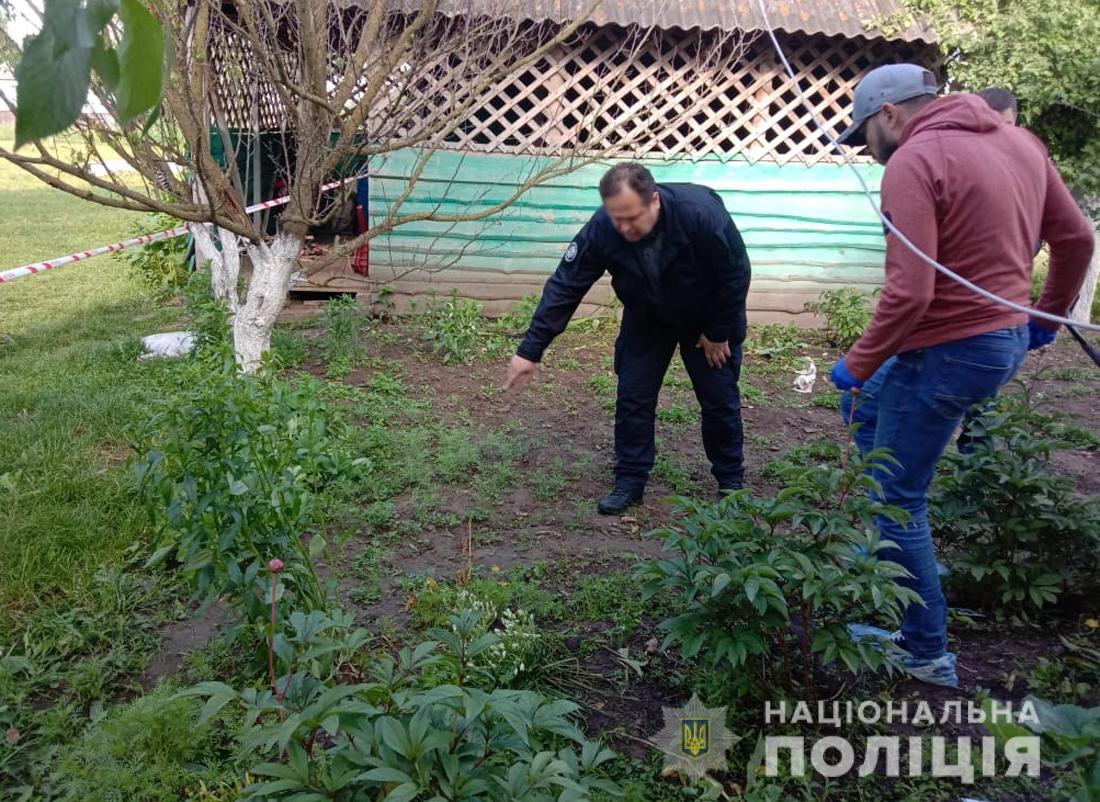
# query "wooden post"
(257, 161)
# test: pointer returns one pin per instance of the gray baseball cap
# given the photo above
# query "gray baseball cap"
(892, 83)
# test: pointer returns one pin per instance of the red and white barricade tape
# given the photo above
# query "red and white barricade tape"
(50, 264)
(144, 239)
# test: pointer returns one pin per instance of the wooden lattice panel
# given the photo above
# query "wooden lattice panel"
(660, 94)
(243, 100)
(676, 99)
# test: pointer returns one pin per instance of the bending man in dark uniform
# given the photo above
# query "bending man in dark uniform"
(680, 268)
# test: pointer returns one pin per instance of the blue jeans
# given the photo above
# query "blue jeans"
(912, 406)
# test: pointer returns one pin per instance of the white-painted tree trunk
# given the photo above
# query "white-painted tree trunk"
(227, 271)
(272, 265)
(225, 264)
(205, 249)
(1082, 310)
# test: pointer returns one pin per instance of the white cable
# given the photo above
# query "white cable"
(885, 220)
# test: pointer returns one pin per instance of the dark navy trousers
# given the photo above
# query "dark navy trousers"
(643, 352)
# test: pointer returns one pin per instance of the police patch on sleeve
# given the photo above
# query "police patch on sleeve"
(571, 251)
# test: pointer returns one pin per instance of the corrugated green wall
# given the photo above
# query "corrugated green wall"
(806, 228)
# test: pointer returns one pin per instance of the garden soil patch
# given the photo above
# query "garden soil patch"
(567, 422)
(545, 512)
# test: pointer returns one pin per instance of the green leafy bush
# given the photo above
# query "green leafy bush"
(1070, 743)
(847, 313)
(418, 726)
(460, 333)
(289, 349)
(1041, 49)
(746, 568)
(525, 655)
(458, 455)
(1013, 530)
(209, 319)
(488, 595)
(229, 471)
(815, 452)
(516, 320)
(162, 265)
(1073, 676)
(457, 330)
(779, 346)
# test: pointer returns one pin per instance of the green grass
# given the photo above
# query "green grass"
(38, 222)
(612, 597)
(436, 600)
(1074, 373)
(368, 570)
(673, 473)
(70, 384)
(78, 616)
(826, 400)
(677, 414)
(549, 483)
(750, 393)
(150, 750)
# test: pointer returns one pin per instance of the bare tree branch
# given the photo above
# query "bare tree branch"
(323, 89)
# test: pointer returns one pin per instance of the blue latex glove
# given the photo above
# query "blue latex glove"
(842, 378)
(1038, 337)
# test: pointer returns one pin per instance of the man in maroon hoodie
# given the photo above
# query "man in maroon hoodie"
(976, 194)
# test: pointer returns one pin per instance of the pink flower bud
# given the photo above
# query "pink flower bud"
(275, 566)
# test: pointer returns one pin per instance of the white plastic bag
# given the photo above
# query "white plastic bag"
(805, 378)
(167, 344)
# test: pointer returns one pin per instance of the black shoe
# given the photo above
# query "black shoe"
(619, 500)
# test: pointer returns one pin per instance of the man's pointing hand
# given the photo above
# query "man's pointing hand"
(520, 372)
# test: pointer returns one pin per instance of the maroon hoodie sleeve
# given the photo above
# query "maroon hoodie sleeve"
(908, 199)
(1070, 236)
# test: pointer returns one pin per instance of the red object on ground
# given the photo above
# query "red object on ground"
(360, 263)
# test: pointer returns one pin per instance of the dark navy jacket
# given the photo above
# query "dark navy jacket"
(701, 283)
